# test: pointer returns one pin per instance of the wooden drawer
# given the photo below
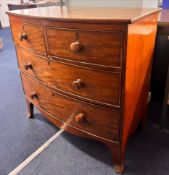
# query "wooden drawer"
(100, 121)
(94, 85)
(29, 36)
(94, 47)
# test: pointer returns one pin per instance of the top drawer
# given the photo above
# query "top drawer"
(93, 47)
(29, 36)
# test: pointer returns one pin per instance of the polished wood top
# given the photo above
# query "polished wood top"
(164, 18)
(88, 14)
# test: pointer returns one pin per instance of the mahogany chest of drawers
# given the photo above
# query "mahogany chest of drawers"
(87, 69)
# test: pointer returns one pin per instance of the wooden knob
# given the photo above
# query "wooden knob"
(80, 118)
(23, 36)
(78, 84)
(75, 47)
(28, 66)
(34, 95)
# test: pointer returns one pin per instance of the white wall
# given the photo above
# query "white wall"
(114, 3)
(106, 3)
(3, 9)
(150, 3)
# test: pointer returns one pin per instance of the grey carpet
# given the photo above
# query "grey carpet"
(19, 136)
(147, 154)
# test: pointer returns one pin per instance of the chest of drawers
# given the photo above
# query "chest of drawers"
(88, 74)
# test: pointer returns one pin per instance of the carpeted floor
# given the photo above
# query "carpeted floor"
(147, 153)
(19, 136)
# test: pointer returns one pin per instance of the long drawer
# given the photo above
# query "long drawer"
(29, 36)
(94, 47)
(95, 85)
(100, 121)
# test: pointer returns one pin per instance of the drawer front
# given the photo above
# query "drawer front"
(29, 36)
(100, 121)
(102, 48)
(95, 85)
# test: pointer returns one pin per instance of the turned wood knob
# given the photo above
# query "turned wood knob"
(75, 47)
(34, 95)
(80, 118)
(78, 84)
(28, 66)
(23, 36)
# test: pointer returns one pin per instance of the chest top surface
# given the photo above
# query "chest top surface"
(86, 14)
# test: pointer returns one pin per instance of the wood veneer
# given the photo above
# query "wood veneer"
(87, 71)
(64, 76)
(34, 36)
(104, 44)
(62, 107)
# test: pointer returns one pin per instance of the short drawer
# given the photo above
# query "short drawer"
(93, 47)
(29, 36)
(93, 85)
(100, 121)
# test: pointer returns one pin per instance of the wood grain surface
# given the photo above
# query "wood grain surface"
(66, 109)
(100, 86)
(35, 36)
(87, 14)
(138, 71)
(103, 48)
(88, 69)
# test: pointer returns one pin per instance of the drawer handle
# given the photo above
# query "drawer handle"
(28, 66)
(78, 84)
(23, 36)
(80, 118)
(75, 47)
(34, 95)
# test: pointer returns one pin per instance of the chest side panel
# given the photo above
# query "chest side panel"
(140, 47)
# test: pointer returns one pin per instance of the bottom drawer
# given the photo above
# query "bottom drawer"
(100, 121)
